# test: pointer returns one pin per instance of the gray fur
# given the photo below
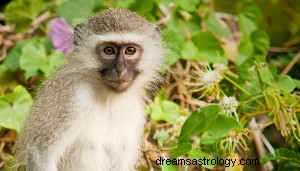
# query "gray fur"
(76, 122)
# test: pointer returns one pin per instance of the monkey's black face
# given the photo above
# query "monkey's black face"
(119, 62)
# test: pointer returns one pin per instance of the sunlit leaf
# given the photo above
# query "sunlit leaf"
(165, 110)
(54, 60)
(32, 57)
(198, 122)
(221, 126)
(260, 41)
(142, 7)
(14, 108)
(182, 148)
(188, 5)
(82, 8)
(209, 46)
(191, 52)
(286, 84)
(199, 154)
(215, 26)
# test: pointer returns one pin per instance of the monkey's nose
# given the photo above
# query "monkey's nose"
(121, 72)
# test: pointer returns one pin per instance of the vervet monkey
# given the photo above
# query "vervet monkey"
(89, 115)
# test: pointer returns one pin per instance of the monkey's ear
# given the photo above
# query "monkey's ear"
(78, 32)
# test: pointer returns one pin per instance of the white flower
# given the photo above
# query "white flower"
(211, 78)
(229, 105)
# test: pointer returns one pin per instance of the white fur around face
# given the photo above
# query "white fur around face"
(110, 131)
(151, 57)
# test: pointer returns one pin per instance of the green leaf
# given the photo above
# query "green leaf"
(282, 155)
(22, 12)
(14, 108)
(121, 3)
(12, 60)
(286, 84)
(248, 18)
(210, 47)
(199, 154)
(165, 110)
(260, 41)
(54, 60)
(297, 83)
(174, 40)
(191, 52)
(188, 5)
(83, 9)
(246, 50)
(221, 126)
(215, 26)
(13, 57)
(33, 56)
(198, 122)
(182, 148)
(166, 167)
(142, 7)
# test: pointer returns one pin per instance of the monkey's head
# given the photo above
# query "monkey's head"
(123, 48)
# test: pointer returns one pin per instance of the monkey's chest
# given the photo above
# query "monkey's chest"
(108, 141)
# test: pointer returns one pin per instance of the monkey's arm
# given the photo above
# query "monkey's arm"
(49, 129)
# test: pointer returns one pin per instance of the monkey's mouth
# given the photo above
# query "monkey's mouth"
(118, 85)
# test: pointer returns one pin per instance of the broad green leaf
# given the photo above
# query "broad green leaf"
(260, 41)
(171, 167)
(199, 154)
(283, 155)
(286, 84)
(297, 83)
(182, 148)
(12, 60)
(198, 122)
(248, 22)
(248, 18)
(32, 58)
(215, 26)
(13, 57)
(22, 12)
(14, 108)
(174, 39)
(72, 9)
(165, 110)
(142, 7)
(246, 50)
(189, 5)
(121, 3)
(210, 47)
(220, 127)
(54, 60)
(191, 52)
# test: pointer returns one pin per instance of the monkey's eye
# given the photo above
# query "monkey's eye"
(130, 51)
(109, 50)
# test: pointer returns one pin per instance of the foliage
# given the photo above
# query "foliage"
(225, 73)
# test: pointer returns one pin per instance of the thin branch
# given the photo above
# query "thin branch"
(283, 49)
(291, 64)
